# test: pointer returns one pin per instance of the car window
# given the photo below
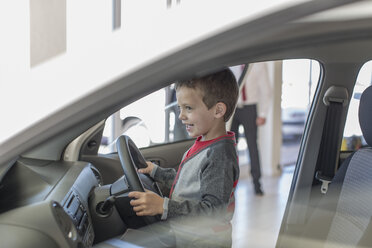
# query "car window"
(353, 138)
(300, 79)
(149, 121)
(153, 119)
(144, 121)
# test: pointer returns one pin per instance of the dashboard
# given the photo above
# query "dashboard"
(46, 204)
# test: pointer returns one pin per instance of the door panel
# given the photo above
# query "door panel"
(167, 155)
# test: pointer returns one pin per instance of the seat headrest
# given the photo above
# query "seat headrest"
(365, 115)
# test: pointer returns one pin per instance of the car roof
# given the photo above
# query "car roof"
(282, 34)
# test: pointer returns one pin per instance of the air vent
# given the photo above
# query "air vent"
(97, 175)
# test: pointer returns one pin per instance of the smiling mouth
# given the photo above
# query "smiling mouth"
(188, 126)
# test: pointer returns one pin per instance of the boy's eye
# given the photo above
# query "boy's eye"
(188, 108)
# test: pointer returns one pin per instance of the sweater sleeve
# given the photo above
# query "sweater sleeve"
(164, 175)
(217, 181)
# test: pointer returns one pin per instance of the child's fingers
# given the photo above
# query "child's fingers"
(135, 194)
(141, 213)
(137, 209)
(149, 164)
(135, 203)
(148, 169)
(143, 170)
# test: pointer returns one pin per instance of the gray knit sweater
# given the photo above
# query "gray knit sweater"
(205, 182)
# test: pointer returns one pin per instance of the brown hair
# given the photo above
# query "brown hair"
(217, 87)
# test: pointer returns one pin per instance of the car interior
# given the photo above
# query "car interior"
(342, 215)
(57, 190)
(331, 208)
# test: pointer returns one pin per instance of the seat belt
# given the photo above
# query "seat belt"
(335, 98)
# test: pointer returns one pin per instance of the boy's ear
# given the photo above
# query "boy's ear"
(220, 110)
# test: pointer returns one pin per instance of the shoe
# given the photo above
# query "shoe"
(259, 192)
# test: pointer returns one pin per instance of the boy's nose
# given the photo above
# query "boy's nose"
(181, 116)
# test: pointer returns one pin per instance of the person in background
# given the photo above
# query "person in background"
(251, 112)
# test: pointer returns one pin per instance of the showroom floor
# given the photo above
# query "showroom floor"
(257, 219)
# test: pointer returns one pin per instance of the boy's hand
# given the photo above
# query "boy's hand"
(146, 203)
(148, 169)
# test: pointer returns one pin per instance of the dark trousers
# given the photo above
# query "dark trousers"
(247, 116)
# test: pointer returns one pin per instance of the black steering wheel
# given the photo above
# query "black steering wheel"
(131, 159)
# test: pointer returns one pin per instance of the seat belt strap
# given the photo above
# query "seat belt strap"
(328, 157)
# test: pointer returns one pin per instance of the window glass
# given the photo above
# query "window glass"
(353, 138)
(153, 119)
(300, 79)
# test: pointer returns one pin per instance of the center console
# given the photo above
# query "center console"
(79, 215)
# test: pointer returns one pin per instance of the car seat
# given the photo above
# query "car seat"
(343, 216)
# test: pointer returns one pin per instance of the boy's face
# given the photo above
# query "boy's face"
(199, 120)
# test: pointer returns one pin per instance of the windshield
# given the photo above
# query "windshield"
(53, 56)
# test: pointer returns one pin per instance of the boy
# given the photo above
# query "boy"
(209, 171)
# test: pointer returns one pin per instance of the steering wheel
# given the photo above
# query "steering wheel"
(131, 159)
